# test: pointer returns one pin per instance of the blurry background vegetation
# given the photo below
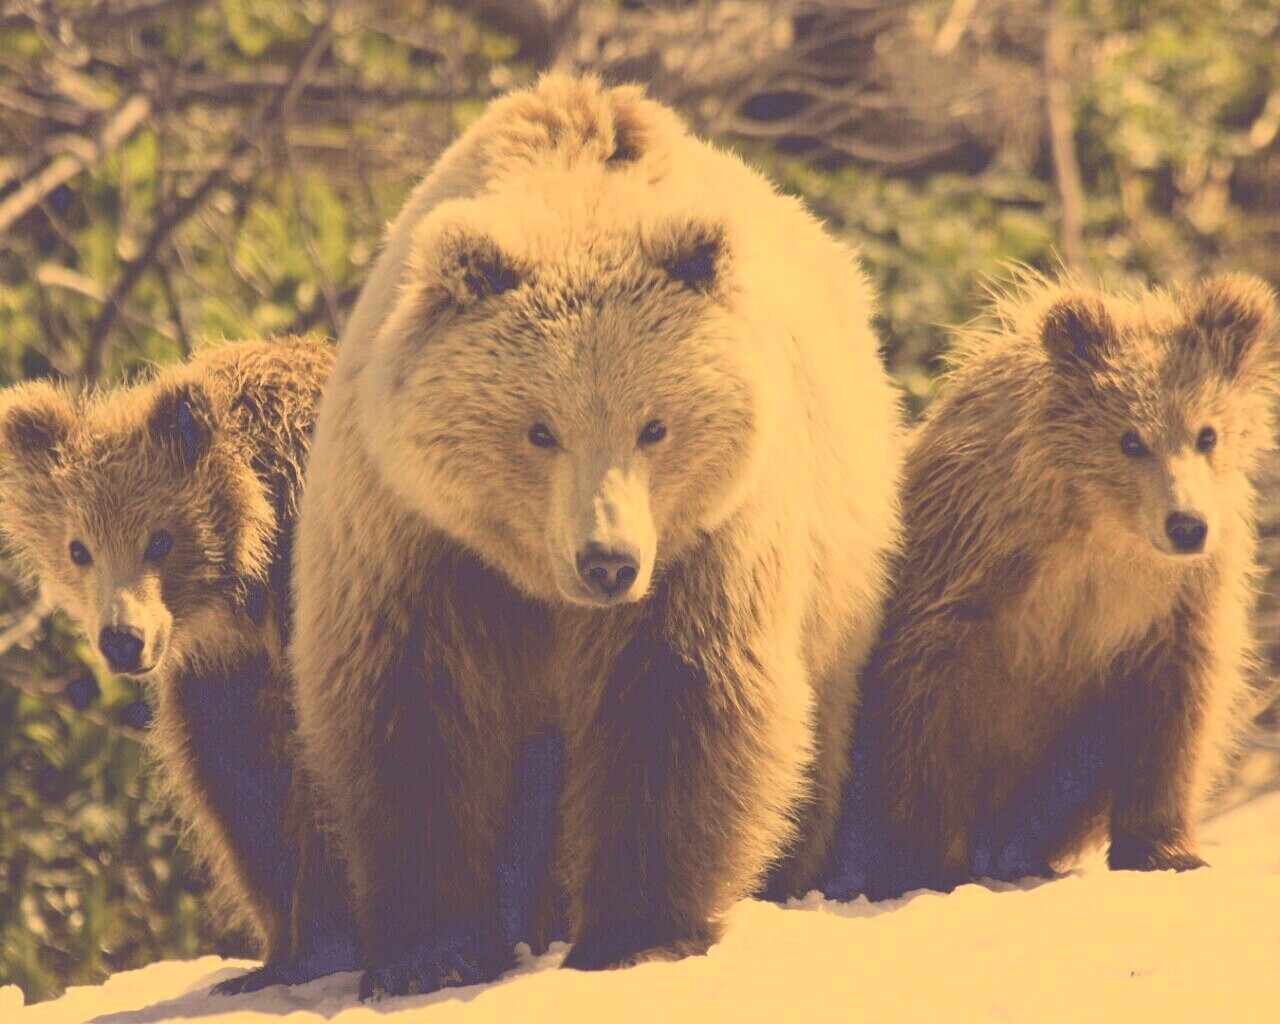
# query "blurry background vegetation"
(176, 169)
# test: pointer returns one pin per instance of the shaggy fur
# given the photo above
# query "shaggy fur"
(575, 270)
(211, 453)
(1050, 667)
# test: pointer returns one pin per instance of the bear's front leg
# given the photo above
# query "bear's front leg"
(1160, 748)
(916, 802)
(682, 783)
(424, 854)
(1159, 715)
(407, 735)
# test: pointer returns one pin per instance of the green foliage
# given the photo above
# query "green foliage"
(93, 878)
(930, 246)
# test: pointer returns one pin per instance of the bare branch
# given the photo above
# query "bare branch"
(52, 276)
(307, 228)
(251, 87)
(175, 307)
(953, 28)
(118, 128)
(13, 15)
(168, 222)
(318, 310)
(1066, 168)
(539, 26)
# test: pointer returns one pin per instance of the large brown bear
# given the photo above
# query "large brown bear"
(609, 449)
(159, 516)
(1065, 649)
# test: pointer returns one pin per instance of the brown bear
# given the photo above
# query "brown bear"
(159, 517)
(1066, 646)
(609, 450)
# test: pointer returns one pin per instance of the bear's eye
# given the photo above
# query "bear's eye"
(1131, 444)
(1207, 439)
(654, 431)
(541, 437)
(160, 544)
(80, 554)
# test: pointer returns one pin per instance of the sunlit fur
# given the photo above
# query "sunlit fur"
(548, 272)
(1036, 578)
(111, 467)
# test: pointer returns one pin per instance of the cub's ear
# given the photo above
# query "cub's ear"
(182, 423)
(36, 421)
(1077, 330)
(1234, 317)
(693, 253)
(465, 266)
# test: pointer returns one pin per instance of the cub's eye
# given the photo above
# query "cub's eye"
(1207, 439)
(541, 437)
(1131, 444)
(80, 554)
(160, 544)
(654, 431)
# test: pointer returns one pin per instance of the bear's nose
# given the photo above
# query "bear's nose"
(607, 573)
(122, 647)
(1186, 531)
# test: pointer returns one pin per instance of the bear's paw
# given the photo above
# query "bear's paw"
(628, 946)
(449, 962)
(333, 954)
(1133, 854)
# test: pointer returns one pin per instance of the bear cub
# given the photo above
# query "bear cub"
(160, 516)
(1067, 645)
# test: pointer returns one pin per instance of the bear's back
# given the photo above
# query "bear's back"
(264, 397)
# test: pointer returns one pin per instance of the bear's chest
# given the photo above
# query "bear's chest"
(1085, 605)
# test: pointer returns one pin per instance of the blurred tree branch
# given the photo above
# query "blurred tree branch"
(540, 27)
(170, 219)
(116, 129)
(41, 12)
(1058, 108)
(53, 276)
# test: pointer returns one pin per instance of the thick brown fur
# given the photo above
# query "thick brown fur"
(211, 452)
(1038, 588)
(577, 262)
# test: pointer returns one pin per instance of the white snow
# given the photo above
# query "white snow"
(1094, 946)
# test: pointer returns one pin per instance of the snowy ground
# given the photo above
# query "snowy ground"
(1092, 947)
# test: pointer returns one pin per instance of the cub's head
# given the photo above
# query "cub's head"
(576, 400)
(125, 509)
(1163, 404)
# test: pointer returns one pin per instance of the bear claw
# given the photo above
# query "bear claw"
(446, 963)
(324, 956)
(1142, 856)
(251, 981)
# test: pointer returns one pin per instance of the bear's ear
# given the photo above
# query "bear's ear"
(693, 253)
(36, 421)
(1077, 330)
(469, 266)
(1234, 317)
(182, 423)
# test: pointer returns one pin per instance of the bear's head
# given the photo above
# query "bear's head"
(135, 517)
(1163, 404)
(576, 395)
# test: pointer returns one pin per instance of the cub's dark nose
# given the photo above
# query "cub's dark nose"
(1186, 532)
(607, 573)
(122, 647)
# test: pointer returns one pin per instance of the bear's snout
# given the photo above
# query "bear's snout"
(607, 573)
(1186, 531)
(122, 647)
